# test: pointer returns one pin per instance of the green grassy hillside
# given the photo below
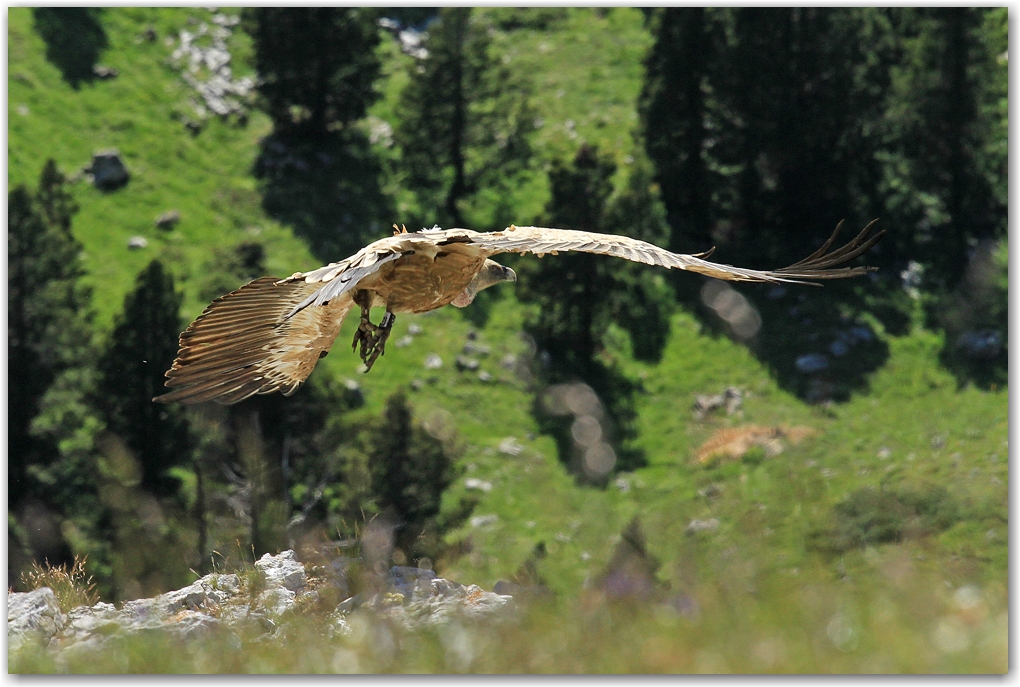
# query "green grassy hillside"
(770, 568)
(207, 178)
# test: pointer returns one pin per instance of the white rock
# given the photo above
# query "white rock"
(702, 526)
(510, 446)
(283, 569)
(277, 600)
(209, 591)
(216, 606)
(33, 616)
(484, 520)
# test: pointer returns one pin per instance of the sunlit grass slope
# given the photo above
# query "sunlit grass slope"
(207, 178)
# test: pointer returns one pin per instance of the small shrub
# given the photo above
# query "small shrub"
(72, 586)
(754, 456)
(868, 516)
(252, 580)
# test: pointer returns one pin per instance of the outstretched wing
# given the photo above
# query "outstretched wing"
(244, 343)
(818, 265)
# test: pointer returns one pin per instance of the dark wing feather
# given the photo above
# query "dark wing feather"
(820, 263)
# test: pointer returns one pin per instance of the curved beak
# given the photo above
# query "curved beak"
(509, 275)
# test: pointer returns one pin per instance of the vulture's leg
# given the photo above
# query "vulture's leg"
(366, 330)
(382, 333)
(372, 338)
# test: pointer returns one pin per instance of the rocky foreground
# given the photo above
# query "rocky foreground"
(258, 602)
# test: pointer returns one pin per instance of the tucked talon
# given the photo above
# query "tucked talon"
(381, 334)
(372, 338)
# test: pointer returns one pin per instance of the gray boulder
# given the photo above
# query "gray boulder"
(415, 598)
(32, 616)
(282, 570)
(168, 220)
(104, 72)
(107, 170)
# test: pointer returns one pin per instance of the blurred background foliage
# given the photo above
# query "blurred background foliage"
(547, 417)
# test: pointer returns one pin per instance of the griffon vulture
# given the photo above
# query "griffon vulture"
(268, 335)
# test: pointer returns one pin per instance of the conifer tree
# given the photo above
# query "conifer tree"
(579, 295)
(947, 133)
(466, 119)
(142, 347)
(48, 332)
(763, 125)
(410, 470)
(673, 111)
(317, 65)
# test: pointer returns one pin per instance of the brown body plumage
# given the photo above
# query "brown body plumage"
(419, 282)
(268, 335)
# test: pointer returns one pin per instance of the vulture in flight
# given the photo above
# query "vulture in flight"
(267, 335)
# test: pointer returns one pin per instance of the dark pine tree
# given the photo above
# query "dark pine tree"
(948, 149)
(763, 124)
(410, 470)
(780, 131)
(947, 124)
(465, 119)
(317, 65)
(317, 68)
(673, 117)
(570, 290)
(578, 295)
(48, 325)
(807, 89)
(141, 349)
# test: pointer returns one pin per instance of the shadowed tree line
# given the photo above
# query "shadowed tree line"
(769, 126)
(466, 124)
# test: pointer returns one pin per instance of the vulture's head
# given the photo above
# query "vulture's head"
(491, 273)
